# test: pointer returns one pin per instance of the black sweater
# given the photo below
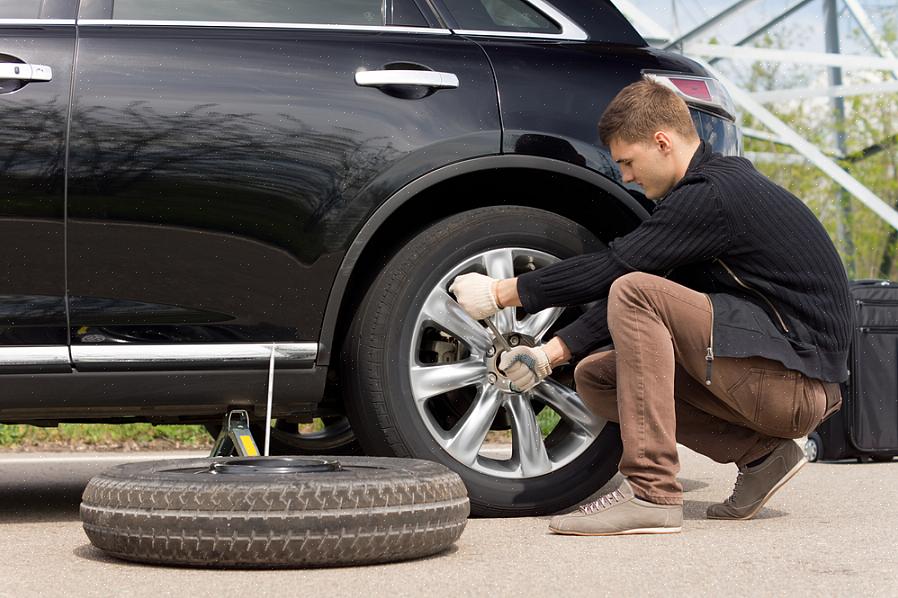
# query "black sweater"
(721, 222)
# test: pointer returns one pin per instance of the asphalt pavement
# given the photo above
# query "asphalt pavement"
(831, 531)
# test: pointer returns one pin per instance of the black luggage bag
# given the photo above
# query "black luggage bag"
(866, 427)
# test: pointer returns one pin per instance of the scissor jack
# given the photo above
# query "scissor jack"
(235, 436)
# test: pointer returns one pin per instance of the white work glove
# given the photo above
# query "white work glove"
(525, 367)
(476, 294)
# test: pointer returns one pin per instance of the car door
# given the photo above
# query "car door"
(224, 153)
(37, 42)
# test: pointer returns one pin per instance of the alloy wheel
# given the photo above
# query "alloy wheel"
(461, 395)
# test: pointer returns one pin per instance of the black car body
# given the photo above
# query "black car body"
(200, 183)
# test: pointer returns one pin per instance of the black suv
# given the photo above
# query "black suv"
(189, 185)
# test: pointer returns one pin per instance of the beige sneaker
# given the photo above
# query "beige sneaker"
(755, 485)
(620, 512)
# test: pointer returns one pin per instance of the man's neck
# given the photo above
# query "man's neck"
(684, 156)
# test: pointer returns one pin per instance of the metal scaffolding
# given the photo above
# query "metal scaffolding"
(752, 103)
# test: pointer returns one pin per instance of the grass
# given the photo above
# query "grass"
(547, 420)
(119, 436)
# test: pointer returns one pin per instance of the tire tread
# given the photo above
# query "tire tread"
(142, 514)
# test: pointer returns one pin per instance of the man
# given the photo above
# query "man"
(729, 313)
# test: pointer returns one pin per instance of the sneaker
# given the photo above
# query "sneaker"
(620, 512)
(755, 485)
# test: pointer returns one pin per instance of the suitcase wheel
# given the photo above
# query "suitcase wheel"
(813, 448)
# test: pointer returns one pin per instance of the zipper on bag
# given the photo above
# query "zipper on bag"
(709, 355)
(863, 302)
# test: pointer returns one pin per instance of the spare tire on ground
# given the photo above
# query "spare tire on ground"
(275, 511)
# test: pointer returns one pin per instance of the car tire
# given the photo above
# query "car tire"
(274, 511)
(380, 350)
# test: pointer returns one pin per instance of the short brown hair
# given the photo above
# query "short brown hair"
(642, 108)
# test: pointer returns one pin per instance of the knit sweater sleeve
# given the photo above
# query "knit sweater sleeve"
(588, 331)
(688, 226)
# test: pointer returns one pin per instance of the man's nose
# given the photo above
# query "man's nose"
(627, 175)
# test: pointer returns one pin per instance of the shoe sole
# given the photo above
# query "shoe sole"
(791, 474)
(645, 530)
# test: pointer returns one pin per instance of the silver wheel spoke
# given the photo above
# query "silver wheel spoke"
(536, 325)
(445, 311)
(431, 380)
(570, 406)
(466, 438)
(526, 437)
(500, 264)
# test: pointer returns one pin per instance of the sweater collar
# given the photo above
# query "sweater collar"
(702, 154)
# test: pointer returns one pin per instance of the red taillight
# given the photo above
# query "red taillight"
(697, 91)
(693, 87)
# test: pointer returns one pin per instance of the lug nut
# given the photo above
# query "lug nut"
(491, 378)
(514, 341)
(491, 351)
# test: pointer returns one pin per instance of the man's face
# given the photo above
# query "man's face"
(649, 164)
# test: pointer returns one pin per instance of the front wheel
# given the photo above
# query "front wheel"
(422, 376)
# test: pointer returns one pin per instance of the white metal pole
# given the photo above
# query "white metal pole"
(270, 393)
(846, 61)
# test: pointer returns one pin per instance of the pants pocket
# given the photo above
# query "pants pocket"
(773, 400)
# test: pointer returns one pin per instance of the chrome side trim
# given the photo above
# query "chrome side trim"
(53, 357)
(255, 25)
(208, 356)
(569, 29)
(14, 22)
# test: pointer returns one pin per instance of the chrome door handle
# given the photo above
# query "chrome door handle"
(398, 77)
(25, 72)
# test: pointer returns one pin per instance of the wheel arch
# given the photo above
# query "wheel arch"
(424, 201)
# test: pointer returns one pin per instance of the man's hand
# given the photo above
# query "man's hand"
(476, 294)
(525, 367)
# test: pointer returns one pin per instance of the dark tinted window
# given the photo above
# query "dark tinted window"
(336, 12)
(404, 12)
(20, 9)
(500, 15)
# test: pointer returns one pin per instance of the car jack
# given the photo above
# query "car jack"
(235, 436)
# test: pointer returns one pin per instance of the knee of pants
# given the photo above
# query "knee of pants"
(624, 290)
(624, 284)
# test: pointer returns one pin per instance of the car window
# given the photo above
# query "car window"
(337, 12)
(404, 12)
(20, 9)
(500, 15)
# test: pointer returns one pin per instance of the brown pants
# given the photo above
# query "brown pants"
(653, 383)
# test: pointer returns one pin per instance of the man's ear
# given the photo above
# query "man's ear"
(662, 141)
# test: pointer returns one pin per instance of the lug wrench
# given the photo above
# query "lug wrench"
(499, 338)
